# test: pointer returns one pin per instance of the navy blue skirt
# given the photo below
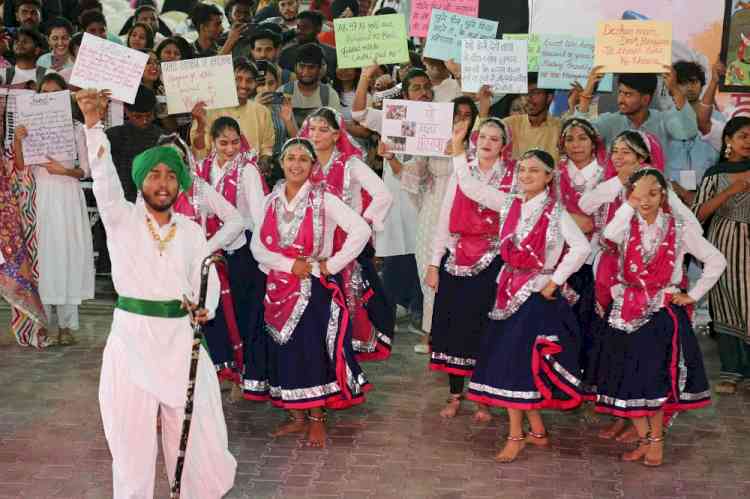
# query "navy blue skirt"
(255, 343)
(459, 318)
(530, 360)
(379, 312)
(582, 283)
(246, 281)
(304, 372)
(659, 366)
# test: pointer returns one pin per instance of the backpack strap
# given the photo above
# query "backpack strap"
(325, 94)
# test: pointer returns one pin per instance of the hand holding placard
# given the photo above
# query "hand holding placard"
(633, 46)
(49, 126)
(362, 40)
(421, 11)
(499, 63)
(208, 79)
(101, 64)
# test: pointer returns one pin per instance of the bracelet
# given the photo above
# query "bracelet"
(586, 96)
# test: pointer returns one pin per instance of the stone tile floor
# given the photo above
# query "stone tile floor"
(395, 446)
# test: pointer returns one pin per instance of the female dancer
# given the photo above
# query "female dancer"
(311, 362)
(580, 170)
(653, 361)
(630, 151)
(66, 250)
(529, 357)
(349, 178)
(234, 335)
(465, 264)
(723, 202)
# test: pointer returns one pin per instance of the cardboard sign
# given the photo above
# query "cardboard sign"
(533, 39)
(417, 128)
(421, 12)
(208, 79)
(564, 59)
(500, 63)
(447, 30)
(49, 122)
(104, 65)
(361, 41)
(633, 46)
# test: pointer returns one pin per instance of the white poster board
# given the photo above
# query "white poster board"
(105, 65)
(502, 64)
(417, 128)
(208, 79)
(49, 122)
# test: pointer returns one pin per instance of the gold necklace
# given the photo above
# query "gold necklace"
(161, 242)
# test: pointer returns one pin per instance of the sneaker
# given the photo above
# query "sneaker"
(422, 348)
(402, 312)
(409, 328)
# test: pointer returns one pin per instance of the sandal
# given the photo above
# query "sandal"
(646, 460)
(65, 338)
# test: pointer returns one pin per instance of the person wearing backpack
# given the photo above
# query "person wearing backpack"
(27, 48)
(307, 92)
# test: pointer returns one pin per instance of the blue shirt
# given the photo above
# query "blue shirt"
(696, 154)
(667, 125)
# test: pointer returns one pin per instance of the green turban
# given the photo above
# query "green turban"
(148, 159)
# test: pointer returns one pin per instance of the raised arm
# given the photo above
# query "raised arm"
(110, 198)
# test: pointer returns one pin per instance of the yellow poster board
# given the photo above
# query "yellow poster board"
(633, 46)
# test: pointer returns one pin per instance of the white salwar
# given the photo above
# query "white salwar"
(146, 359)
(66, 251)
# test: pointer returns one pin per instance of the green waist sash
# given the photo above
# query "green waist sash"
(170, 309)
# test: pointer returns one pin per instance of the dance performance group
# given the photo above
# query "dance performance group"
(556, 284)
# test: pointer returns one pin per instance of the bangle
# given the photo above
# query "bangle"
(586, 96)
(390, 157)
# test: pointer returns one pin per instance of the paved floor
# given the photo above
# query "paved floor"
(395, 446)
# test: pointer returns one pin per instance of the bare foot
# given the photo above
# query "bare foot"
(629, 436)
(451, 409)
(65, 337)
(726, 388)
(511, 450)
(588, 410)
(638, 453)
(236, 394)
(539, 439)
(316, 435)
(291, 426)
(655, 454)
(613, 430)
(482, 414)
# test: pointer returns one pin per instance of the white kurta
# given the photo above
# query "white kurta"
(209, 202)
(146, 359)
(578, 246)
(426, 179)
(398, 236)
(66, 251)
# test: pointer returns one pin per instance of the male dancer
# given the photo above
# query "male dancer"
(156, 257)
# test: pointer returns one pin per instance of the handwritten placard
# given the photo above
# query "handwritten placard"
(633, 46)
(417, 128)
(208, 79)
(564, 59)
(499, 63)
(360, 41)
(49, 122)
(447, 30)
(421, 12)
(102, 64)
(533, 39)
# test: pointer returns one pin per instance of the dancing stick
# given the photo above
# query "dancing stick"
(194, 355)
